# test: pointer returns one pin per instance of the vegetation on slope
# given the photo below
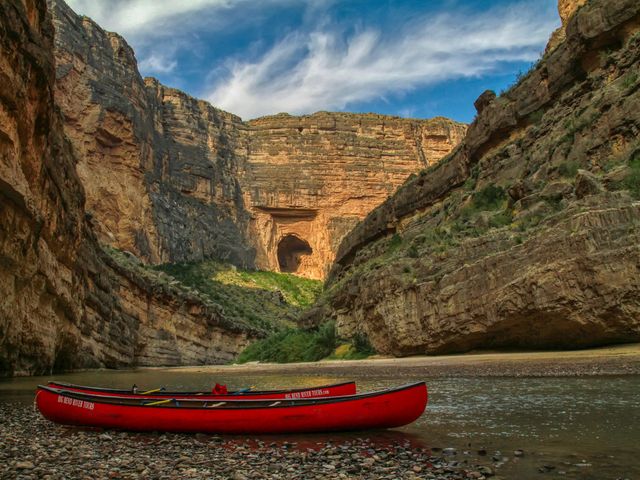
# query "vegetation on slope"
(295, 345)
(268, 300)
(566, 169)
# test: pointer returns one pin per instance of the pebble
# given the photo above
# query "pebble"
(486, 471)
(66, 452)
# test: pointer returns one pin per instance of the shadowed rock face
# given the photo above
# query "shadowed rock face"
(65, 303)
(527, 234)
(173, 179)
(291, 251)
(160, 168)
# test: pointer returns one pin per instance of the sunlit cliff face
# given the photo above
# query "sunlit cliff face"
(309, 180)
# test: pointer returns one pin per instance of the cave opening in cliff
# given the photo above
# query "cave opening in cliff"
(291, 249)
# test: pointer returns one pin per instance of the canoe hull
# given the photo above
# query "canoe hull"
(358, 412)
(336, 390)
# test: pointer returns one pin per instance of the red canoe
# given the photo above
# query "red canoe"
(383, 409)
(335, 390)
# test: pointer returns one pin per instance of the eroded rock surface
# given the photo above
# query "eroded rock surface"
(159, 167)
(65, 303)
(527, 235)
(314, 177)
(171, 178)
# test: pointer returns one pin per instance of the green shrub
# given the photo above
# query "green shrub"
(490, 197)
(501, 219)
(632, 180)
(394, 243)
(292, 345)
(568, 169)
(362, 345)
(629, 80)
(535, 117)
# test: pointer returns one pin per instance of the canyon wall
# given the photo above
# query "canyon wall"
(309, 180)
(528, 234)
(159, 167)
(65, 302)
(172, 179)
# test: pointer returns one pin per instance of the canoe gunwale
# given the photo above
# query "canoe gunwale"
(64, 386)
(239, 404)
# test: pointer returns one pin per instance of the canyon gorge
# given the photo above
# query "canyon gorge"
(171, 178)
(520, 230)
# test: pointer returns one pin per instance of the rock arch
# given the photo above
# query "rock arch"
(291, 249)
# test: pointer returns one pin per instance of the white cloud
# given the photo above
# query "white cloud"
(321, 69)
(163, 31)
(156, 63)
(139, 17)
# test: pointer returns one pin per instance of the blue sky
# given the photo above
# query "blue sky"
(408, 58)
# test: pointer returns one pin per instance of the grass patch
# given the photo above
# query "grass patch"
(501, 219)
(297, 291)
(268, 300)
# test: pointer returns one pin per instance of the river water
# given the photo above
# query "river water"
(578, 427)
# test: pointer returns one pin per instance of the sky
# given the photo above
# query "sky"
(415, 59)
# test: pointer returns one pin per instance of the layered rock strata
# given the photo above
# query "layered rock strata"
(64, 302)
(171, 178)
(312, 178)
(160, 168)
(527, 235)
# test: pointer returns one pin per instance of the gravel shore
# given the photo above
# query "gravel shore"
(34, 448)
(613, 360)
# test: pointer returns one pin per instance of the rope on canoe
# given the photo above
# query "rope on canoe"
(217, 404)
(275, 403)
(151, 391)
(159, 402)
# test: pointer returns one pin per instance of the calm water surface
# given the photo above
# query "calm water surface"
(586, 428)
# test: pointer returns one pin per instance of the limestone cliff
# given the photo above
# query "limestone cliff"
(566, 9)
(527, 235)
(308, 180)
(158, 166)
(172, 178)
(64, 302)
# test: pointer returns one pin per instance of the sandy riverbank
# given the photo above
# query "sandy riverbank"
(612, 360)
